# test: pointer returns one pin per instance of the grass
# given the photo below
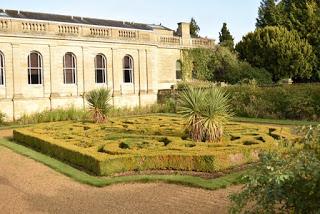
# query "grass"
(82, 177)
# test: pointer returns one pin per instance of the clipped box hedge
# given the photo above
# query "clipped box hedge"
(104, 164)
(153, 142)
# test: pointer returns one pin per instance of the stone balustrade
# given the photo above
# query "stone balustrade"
(3, 24)
(127, 34)
(170, 40)
(54, 29)
(68, 29)
(35, 27)
(100, 32)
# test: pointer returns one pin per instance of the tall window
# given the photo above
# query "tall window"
(69, 68)
(1, 69)
(127, 69)
(178, 70)
(101, 68)
(34, 68)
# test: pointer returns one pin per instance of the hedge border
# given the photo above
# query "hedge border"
(102, 165)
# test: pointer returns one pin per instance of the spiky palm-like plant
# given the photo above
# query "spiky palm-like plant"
(215, 114)
(206, 111)
(190, 104)
(98, 101)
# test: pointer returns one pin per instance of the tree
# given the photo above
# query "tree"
(226, 38)
(279, 51)
(194, 28)
(268, 14)
(304, 17)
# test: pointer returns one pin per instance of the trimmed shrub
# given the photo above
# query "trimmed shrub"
(145, 143)
(297, 102)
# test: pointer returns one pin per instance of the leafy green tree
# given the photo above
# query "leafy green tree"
(194, 28)
(279, 51)
(303, 16)
(221, 65)
(268, 14)
(284, 183)
(225, 37)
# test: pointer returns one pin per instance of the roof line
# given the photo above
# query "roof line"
(77, 24)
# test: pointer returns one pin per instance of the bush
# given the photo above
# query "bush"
(298, 102)
(284, 183)
(2, 118)
(222, 65)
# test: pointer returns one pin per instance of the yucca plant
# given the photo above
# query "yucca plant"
(206, 111)
(98, 101)
(215, 114)
(190, 102)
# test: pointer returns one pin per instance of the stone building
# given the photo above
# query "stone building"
(49, 61)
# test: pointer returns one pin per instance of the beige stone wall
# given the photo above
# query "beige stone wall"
(154, 66)
(17, 97)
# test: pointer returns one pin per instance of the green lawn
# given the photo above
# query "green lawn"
(80, 176)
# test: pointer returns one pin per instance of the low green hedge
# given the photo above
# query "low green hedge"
(103, 164)
(287, 102)
(296, 102)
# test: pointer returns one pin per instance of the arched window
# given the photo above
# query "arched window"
(127, 69)
(69, 68)
(178, 70)
(100, 68)
(1, 69)
(35, 68)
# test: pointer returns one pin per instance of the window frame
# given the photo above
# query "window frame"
(39, 68)
(178, 70)
(2, 70)
(130, 69)
(104, 69)
(73, 69)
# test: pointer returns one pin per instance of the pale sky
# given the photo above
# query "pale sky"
(240, 15)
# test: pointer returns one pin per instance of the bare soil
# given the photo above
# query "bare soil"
(27, 186)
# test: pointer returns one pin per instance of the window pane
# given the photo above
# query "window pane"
(178, 74)
(69, 76)
(99, 63)
(34, 76)
(1, 77)
(100, 76)
(1, 61)
(1, 69)
(127, 76)
(127, 62)
(34, 60)
(68, 61)
(178, 65)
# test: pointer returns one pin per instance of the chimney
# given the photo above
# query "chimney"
(184, 32)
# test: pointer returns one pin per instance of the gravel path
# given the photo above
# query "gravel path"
(27, 186)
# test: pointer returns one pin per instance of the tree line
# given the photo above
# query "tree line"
(285, 44)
